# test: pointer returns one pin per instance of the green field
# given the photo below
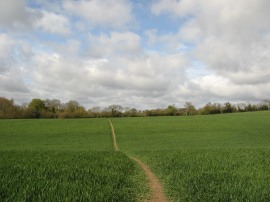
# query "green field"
(198, 158)
(203, 158)
(56, 134)
(64, 160)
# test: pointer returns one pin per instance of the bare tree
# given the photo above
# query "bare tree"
(190, 109)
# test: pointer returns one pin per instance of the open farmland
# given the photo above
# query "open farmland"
(64, 160)
(203, 158)
(198, 158)
(58, 135)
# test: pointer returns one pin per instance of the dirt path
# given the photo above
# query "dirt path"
(154, 184)
(114, 137)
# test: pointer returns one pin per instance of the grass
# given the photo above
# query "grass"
(200, 158)
(204, 158)
(245, 130)
(55, 134)
(214, 175)
(65, 160)
(66, 176)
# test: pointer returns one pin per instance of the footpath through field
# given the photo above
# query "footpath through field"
(154, 184)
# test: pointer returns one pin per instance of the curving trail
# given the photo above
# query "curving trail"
(156, 188)
(114, 137)
(154, 184)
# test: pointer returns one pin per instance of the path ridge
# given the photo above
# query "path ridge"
(154, 184)
(114, 137)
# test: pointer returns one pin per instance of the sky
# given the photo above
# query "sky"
(135, 53)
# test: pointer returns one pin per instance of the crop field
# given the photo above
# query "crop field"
(56, 134)
(64, 160)
(203, 158)
(198, 158)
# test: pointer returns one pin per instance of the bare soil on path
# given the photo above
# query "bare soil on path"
(154, 184)
(114, 137)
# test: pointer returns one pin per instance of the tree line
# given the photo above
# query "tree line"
(54, 108)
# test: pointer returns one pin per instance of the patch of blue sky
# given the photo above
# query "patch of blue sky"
(163, 49)
(197, 69)
(186, 46)
(34, 40)
(2, 30)
(50, 37)
(34, 4)
(52, 5)
(29, 82)
(163, 23)
(39, 43)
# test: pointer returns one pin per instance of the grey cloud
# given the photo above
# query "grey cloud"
(15, 15)
(116, 80)
(12, 82)
(234, 40)
(115, 43)
(53, 23)
(231, 39)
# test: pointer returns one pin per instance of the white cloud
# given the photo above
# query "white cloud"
(234, 39)
(216, 87)
(112, 13)
(114, 44)
(219, 53)
(53, 23)
(12, 83)
(106, 81)
(229, 37)
(174, 7)
(6, 46)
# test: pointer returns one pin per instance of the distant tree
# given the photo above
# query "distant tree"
(52, 105)
(210, 108)
(95, 109)
(228, 108)
(251, 108)
(52, 108)
(181, 112)
(72, 109)
(155, 112)
(264, 105)
(35, 108)
(94, 112)
(24, 106)
(171, 110)
(116, 110)
(216, 108)
(241, 107)
(131, 112)
(190, 109)
(266, 102)
(8, 109)
(71, 106)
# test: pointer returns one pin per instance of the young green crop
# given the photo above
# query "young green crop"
(213, 174)
(204, 158)
(56, 134)
(238, 130)
(65, 160)
(198, 158)
(67, 176)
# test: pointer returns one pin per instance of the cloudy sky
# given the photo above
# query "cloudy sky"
(136, 53)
